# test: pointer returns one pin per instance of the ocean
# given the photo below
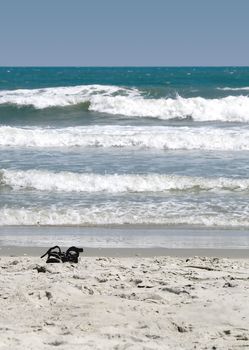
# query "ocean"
(131, 147)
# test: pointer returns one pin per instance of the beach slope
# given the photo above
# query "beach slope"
(124, 303)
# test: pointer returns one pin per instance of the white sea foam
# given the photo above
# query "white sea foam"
(168, 213)
(244, 88)
(228, 109)
(131, 103)
(60, 96)
(117, 183)
(154, 137)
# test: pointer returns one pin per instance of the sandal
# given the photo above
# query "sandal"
(72, 254)
(54, 255)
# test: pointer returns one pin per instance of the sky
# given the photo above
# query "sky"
(124, 32)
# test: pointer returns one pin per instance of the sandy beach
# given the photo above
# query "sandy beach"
(132, 302)
(124, 134)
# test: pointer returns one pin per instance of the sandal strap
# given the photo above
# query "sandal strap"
(72, 254)
(74, 249)
(51, 249)
(54, 258)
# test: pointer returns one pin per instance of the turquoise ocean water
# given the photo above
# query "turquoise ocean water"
(124, 146)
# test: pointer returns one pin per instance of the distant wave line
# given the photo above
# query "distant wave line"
(226, 88)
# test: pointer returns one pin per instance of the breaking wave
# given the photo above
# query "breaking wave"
(168, 213)
(151, 137)
(116, 100)
(117, 183)
(60, 96)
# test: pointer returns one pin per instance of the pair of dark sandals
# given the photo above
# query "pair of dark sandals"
(55, 255)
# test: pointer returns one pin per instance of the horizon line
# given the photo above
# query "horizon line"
(123, 66)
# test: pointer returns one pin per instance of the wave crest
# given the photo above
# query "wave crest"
(116, 100)
(117, 183)
(243, 88)
(151, 137)
(170, 213)
(60, 96)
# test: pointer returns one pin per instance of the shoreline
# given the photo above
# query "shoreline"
(124, 241)
(17, 251)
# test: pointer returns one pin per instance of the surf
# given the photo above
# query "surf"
(168, 213)
(137, 137)
(131, 102)
(116, 183)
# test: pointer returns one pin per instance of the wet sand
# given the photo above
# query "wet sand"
(12, 251)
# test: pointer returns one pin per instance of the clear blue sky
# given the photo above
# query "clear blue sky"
(124, 32)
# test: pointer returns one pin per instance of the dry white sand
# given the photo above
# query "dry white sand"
(124, 303)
